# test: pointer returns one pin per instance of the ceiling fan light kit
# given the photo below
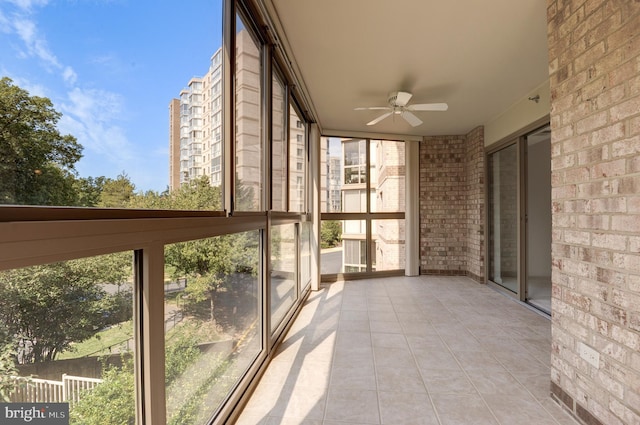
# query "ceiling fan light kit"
(398, 104)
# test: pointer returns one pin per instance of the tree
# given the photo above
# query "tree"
(89, 190)
(111, 402)
(206, 263)
(36, 161)
(116, 193)
(330, 233)
(46, 308)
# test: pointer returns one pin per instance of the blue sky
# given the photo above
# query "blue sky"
(111, 67)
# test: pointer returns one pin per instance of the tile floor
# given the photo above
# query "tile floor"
(423, 350)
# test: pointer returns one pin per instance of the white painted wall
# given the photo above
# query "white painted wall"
(519, 115)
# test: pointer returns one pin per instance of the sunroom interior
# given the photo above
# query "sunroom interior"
(328, 189)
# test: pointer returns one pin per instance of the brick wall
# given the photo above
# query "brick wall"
(474, 167)
(594, 54)
(452, 205)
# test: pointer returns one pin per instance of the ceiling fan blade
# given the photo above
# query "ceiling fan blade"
(411, 119)
(428, 107)
(371, 108)
(380, 118)
(402, 98)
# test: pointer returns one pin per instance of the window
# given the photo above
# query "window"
(196, 276)
(76, 317)
(279, 145)
(297, 168)
(283, 272)
(248, 142)
(355, 174)
(209, 306)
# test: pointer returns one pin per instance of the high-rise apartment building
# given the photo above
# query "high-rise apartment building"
(196, 148)
(195, 123)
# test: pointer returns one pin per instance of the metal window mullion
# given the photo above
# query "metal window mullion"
(151, 357)
(287, 141)
(368, 230)
(228, 102)
(267, 126)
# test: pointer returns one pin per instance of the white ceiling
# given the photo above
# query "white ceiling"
(479, 56)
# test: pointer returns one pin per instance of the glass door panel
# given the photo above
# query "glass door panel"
(538, 209)
(503, 217)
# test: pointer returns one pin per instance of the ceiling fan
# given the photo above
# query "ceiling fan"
(398, 105)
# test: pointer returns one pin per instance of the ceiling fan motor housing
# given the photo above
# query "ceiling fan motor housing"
(399, 98)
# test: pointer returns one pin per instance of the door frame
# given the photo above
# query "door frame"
(518, 138)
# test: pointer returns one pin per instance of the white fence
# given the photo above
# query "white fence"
(34, 390)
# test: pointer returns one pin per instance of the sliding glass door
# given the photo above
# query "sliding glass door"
(503, 217)
(519, 218)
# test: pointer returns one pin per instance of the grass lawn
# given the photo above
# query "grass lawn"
(99, 344)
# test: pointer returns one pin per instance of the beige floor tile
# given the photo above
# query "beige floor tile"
(354, 325)
(429, 358)
(390, 340)
(353, 406)
(561, 415)
(397, 357)
(478, 360)
(447, 381)
(406, 408)
(309, 373)
(354, 376)
(463, 409)
(367, 352)
(300, 402)
(518, 410)
(400, 379)
(387, 326)
(496, 383)
(292, 421)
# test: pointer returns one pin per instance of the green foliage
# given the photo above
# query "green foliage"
(37, 166)
(51, 306)
(7, 366)
(330, 233)
(102, 343)
(111, 402)
(116, 193)
(197, 194)
(88, 190)
(182, 352)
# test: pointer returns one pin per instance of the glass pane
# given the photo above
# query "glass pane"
(283, 272)
(331, 175)
(71, 325)
(279, 147)
(248, 155)
(212, 322)
(539, 219)
(331, 246)
(305, 254)
(343, 246)
(297, 161)
(387, 176)
(354, 155)
(102, 101)
(503, 217)
(388, 251)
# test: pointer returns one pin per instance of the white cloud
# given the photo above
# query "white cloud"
(35, 44)
(27, 5)
(69, 75)
(5, 25)
(34, 89)
(91, 116)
